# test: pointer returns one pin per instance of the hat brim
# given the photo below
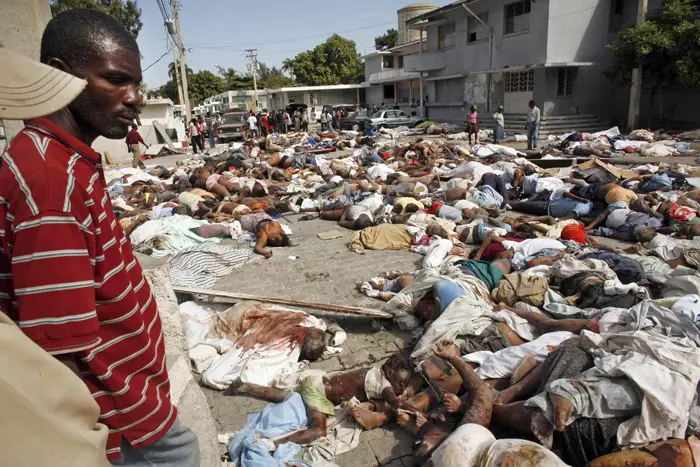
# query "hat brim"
(30, 89)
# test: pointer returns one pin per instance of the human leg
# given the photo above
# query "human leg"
(535, 135)
(194, 144)
(530, 130)
(179, 447)
(537, 208)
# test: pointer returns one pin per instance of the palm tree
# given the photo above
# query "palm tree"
(171, 70)
(288, 66)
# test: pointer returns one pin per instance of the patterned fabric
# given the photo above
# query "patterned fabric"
(250, 222)
(375, 383)
(201, 266)
(69, 279)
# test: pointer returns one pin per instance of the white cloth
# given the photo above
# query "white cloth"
(532, 246)
(174, 233)
(664, 369)
(437, 251)
(503, 363)
(380, 171)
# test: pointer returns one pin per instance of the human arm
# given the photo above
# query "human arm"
(141, 139)
(575, 198)
(261, 243)
(489, 240)
(316, 429)
(603, 215)
(51, 264)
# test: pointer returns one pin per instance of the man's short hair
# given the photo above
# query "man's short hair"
(78, 35)
(411, 208)
(134, 126)
(531, 103)
(314, 344)
(363, 221)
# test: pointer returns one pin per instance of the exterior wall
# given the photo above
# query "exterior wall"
(373, 64)
(408, 12)
(582, 39)
(278, 100)
(23, 23)
(525, 48)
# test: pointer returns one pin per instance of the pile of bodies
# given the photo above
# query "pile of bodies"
(533, 340)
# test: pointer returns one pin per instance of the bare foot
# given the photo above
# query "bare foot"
(527, 364)
(542, 429)
(563, 409)
(366, 419)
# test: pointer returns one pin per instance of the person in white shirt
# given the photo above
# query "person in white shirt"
(253, 124)
(532, 125)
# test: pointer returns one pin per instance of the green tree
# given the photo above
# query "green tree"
(126, 11)
(234, 81)
(272, 78)
(387, 41)
(204, 84)
(287, 66)
(169, 90)
(336, 61)
(667, 46)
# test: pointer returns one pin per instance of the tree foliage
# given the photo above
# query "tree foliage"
(667, 46)
(234, 81)
(127, 12)
(169, 90)
(272, 78)
(387, 41)
(204, 84)
(176, 65)
(336, 61)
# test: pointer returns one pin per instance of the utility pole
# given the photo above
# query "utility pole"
(177, 73)
(636, 88)
(254, 69)
(183, 67)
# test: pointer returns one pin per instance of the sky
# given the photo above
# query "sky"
(219, 31)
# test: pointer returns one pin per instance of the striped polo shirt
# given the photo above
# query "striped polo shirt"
(69, 279)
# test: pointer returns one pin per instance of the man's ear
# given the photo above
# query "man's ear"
(60, 64)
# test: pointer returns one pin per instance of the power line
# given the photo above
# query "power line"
(159, 59)
(290, 40)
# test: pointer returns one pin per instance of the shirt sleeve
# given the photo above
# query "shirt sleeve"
(141, 139)
(53, 281)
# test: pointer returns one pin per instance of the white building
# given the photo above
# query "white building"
(233, 100)
(315, 97)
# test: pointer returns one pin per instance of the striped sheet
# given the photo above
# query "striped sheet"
(202, 266)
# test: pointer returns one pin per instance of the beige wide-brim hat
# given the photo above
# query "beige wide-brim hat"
(30, 89)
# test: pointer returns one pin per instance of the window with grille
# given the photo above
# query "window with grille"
(313, 98)
(517, 17)
(446, 35)
(476, 31)
(566, 78)
(522, 81)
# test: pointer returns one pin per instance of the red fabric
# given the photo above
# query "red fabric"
(575, 232)
(435, 208)
(133, 137)
(681, 213)
(69, 278)
(495, 248)
(629, 150)
(386, 156)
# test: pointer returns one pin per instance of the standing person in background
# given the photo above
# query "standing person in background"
(305, 121)
(313, 114)
(133, 138)
(297, 120)
(65, 246)
(195, 134)
(210, 130)
(253, 125)
(203, 131)
(473, 124)
(499, 133)
(324, 120)
(532, 126)
(329, 120)
(287, 121)
(265, 128)
(259, 116)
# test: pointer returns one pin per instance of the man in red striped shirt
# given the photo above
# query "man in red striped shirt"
(68, 275)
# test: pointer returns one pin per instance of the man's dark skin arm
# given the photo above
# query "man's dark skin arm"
(603, 215)
(575, 198)
(489, 240)
(317, 429)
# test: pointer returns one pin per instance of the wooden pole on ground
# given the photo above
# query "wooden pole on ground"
(353, 310)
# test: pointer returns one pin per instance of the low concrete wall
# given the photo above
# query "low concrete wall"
(185, 393)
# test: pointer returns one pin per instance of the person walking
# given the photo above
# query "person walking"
(532, 125)
(265, 128)
(499, 130)
(473, 124)
(329, 121)
(195, 133)
(133, 138)
(65, 246)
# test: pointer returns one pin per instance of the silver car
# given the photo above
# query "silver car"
(394, 118)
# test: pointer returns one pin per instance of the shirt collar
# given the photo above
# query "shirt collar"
(52, 130)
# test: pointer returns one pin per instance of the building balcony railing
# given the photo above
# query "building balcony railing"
(396, 74)
(425, 62)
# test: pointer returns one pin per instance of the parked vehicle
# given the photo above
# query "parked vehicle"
(355, 121)
(394, 118)
(232, 127)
